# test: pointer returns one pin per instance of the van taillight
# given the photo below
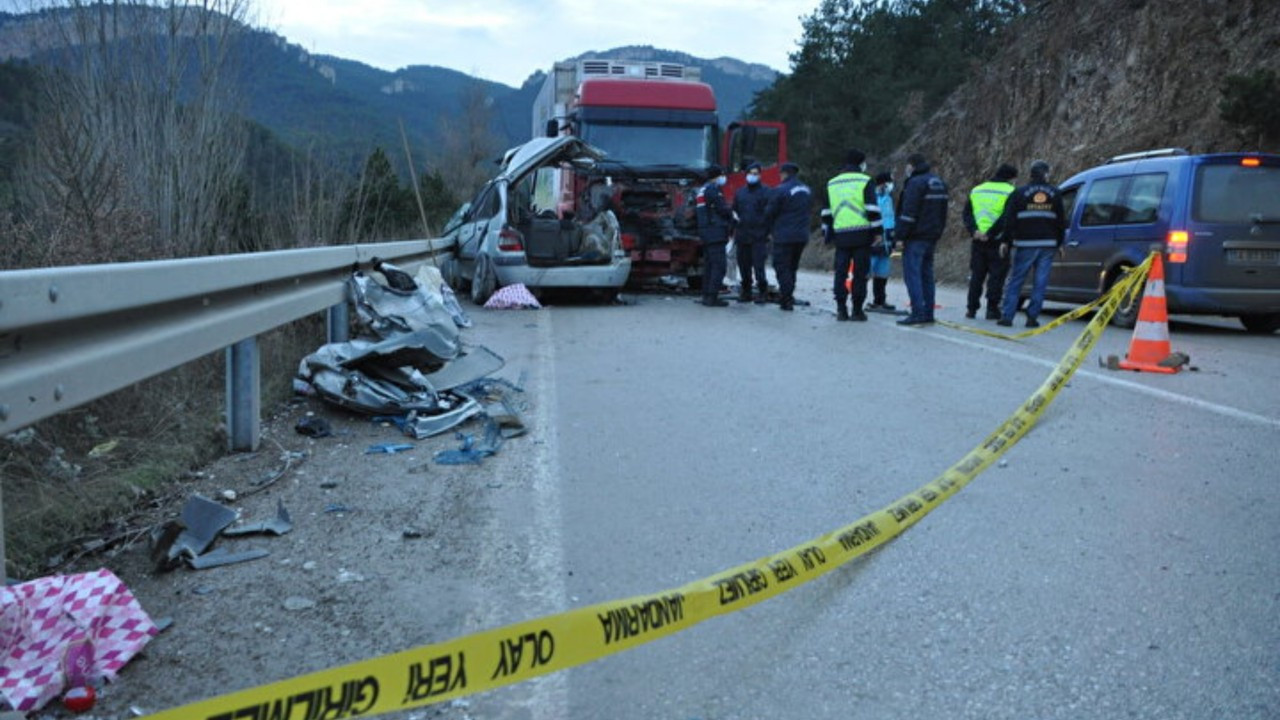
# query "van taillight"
(1176, 248)
(1250, 162)
(510, 240)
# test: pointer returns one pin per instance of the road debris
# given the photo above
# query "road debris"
(278, 525)
(387, 448)
(405, 369)
(92, 617)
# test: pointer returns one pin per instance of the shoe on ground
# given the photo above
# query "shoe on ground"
(787, 305)
(715, 302)
(887, 307)
(993, 314)
(842, 313)
(1005, 322)
(909, 320)
(1033, 323)
(744, 298)
(859, 316)
(761, 300)
(971, 314)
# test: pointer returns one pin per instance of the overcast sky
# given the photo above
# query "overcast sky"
(507, 40)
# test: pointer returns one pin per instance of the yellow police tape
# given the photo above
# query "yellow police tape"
(1132, 293)
(503, 656)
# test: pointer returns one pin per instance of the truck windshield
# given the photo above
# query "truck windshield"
(686, 146)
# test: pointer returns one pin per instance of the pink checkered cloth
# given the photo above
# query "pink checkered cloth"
(90, 619)
(513, 297)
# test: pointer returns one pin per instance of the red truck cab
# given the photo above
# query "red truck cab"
(658, 127)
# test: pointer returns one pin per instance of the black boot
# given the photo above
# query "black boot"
(842, 312)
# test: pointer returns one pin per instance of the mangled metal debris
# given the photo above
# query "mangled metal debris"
(278, 525)
(412, 364)
(201, 522)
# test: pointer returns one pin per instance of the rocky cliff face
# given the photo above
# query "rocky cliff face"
(1079, 82)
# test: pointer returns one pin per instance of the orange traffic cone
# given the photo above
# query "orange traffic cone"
(1150, 350)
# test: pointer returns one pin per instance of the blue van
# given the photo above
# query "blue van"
(1215, 217)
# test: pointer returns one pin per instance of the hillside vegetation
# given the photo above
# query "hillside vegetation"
(1073, 83)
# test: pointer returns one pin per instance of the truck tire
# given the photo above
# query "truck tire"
(1261, 323)
(483, 280)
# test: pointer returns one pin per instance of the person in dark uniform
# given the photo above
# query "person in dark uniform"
(986, 264)
(752, 234)
(1034, 223)
(790, 205)
(851, 218)
(714, 220)
(921, 220)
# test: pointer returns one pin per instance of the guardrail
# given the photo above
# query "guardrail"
(69, 335)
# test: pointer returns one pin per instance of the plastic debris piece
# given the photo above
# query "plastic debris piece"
(222, 556)
(202, 520)
(315, 427)
(79, 699)
(336, 508)
(103, 449)
(279, 525)
(387, 448)
(470, 453)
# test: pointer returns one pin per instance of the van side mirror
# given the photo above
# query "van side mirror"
(553, 128)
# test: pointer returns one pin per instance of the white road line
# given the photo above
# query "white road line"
(549, 698)
(1224, 410)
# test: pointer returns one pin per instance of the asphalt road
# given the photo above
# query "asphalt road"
(1120, 563)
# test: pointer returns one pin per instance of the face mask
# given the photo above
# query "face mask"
(753, 179)
(888, 188)
(862, 167)
(722, 180)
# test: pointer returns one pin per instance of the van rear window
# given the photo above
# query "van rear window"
(1237, 194)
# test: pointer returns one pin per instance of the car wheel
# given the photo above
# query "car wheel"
(483, 280)
(1126, 315)
(1261, 323)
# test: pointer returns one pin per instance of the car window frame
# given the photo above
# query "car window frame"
(1111, 219)
(1125, 206)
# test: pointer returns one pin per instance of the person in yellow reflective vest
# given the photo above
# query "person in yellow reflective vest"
(981, 213)
(851, 222)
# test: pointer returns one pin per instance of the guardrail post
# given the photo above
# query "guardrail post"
(244, 396)
(339, 323)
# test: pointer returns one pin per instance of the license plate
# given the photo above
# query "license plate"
(658, 255)
(1253, 257)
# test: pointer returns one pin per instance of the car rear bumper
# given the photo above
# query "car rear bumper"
(613, 275)
(1221, 301)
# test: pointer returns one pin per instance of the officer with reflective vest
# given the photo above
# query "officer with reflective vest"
(851, 222)
(983, 210)
(714, 220)
(1034, 224)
